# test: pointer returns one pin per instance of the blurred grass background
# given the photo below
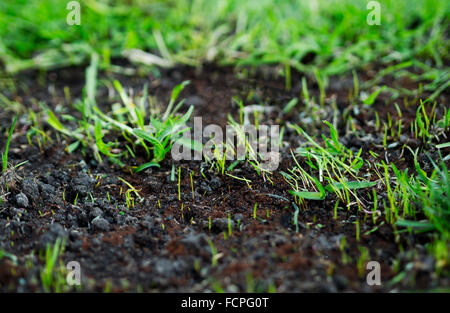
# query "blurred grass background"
(330, 35)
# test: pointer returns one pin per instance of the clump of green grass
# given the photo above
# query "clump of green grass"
(132, 120)
(8, 176)
(8, 141)
(253, 32)
(53, 276)
(432, 195)
(335, 165)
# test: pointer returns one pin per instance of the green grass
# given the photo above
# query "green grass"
(52, 275)
(320, 38)
(8, 142)
(333, 33)
(134, 120)
(432, 195)
(334, 164)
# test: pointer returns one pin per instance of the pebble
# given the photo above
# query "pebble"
(95, 212)
(82, 184)
(99, 223)
(22, 200)
(31, 189)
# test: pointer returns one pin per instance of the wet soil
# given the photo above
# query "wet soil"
(205, 238)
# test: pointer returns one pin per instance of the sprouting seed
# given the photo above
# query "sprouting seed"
(179, 183)
(191, 174)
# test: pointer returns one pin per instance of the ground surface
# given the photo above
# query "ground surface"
(166, 244)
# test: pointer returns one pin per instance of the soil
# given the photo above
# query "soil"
(167, 244)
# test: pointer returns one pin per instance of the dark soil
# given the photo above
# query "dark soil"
(164, 244)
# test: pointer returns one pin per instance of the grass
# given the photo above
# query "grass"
(432, 195)
(8, 175)
(334, 34)
(333, 169)
(319, 39)
(335, 164)
(52, 276)
(8, 142)
(133, 119)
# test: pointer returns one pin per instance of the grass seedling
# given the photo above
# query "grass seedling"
(191, 174)
(254, 210)
(215, 256)
(175, 92)
(295, 218)
(290, 105)
(321, 82)
(179, 183)
(247, 181)
(374, 209)
(172, 173)
(373, 96)
(129, 199)
(335, 209)
(432, 195)
(52, 278)
(357, 230)
(229, 225)
(362, 261)
(126, 119)
(392, 210)
(8, 142)
(355, 85)
(342, 246)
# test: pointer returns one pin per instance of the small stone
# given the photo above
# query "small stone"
(31, 189)
(22, 200)
(95, 212)
(82, 184)
(47, 189)
(99, 223)
(75, 235)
